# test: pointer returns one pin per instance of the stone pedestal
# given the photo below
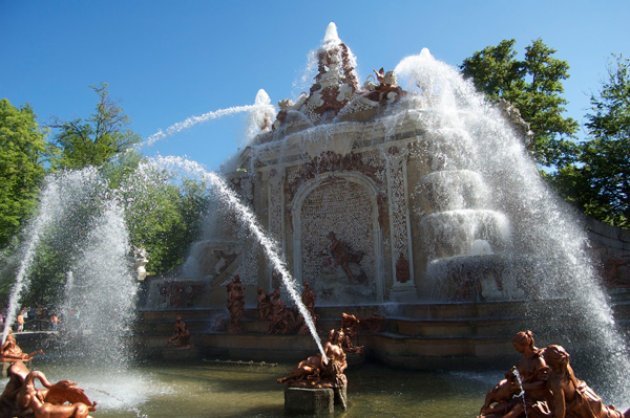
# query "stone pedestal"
(309, 401)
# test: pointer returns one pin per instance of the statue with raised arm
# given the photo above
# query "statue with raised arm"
(350, 327)
(318, 372)
(11, 351)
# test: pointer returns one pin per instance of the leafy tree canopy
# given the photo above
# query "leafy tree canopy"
(532, 84)
(599, 180)
(95, 140)
(22, 153)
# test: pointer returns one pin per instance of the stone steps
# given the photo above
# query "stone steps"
(419, 336)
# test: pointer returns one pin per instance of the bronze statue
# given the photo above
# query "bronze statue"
(235, 304)
(316, 372)
(283, 320)
(308, 299)
(11, 351)
(530, 376)
(572, 397)
(264, 305)
(543, 385)
(181, 336)
(350, 328)
(21, 397)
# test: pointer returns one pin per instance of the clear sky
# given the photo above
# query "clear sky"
(168, 60)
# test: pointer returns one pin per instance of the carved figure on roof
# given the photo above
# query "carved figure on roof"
(387, 91)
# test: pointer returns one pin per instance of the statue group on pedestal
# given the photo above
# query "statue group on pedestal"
(283, 319)
(543, 384)
(323, 372)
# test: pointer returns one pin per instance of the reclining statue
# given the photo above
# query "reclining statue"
(21, 398)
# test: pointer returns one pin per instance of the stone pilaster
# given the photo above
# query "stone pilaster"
(400, 228)
(275, 196)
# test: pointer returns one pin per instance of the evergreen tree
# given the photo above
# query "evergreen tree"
(599, 181)
(96, 140)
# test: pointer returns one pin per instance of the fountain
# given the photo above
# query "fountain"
(410, 202)
(417, 195)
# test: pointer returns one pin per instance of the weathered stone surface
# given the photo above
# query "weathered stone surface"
(309, 401)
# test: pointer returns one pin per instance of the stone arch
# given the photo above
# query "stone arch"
(346, 204)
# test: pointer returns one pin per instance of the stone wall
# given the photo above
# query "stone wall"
(611, 249)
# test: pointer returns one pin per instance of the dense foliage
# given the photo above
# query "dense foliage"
(22, 153)
(598, 180)
(95, 140)
(534, 85)
(162, 216)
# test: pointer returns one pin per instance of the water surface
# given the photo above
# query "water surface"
(211, 389)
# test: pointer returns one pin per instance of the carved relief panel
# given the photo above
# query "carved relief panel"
(337, 239)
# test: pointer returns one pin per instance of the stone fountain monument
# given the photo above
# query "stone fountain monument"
(386, 211)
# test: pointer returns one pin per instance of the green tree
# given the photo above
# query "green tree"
(22, 153)
(96, 140)
(164, 218)
(534, 86)
(599, 181)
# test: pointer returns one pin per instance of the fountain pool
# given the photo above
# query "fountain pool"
(210, 388)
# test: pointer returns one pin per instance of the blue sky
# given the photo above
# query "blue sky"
(168, 60)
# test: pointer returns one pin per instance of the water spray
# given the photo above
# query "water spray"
(249, 220)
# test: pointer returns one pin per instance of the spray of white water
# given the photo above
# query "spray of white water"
(100, 305)
(59, 192)
(468, 133)
(262, 106)
(248, 218)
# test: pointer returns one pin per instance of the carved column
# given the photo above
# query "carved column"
(248, 270)
(400, 227)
